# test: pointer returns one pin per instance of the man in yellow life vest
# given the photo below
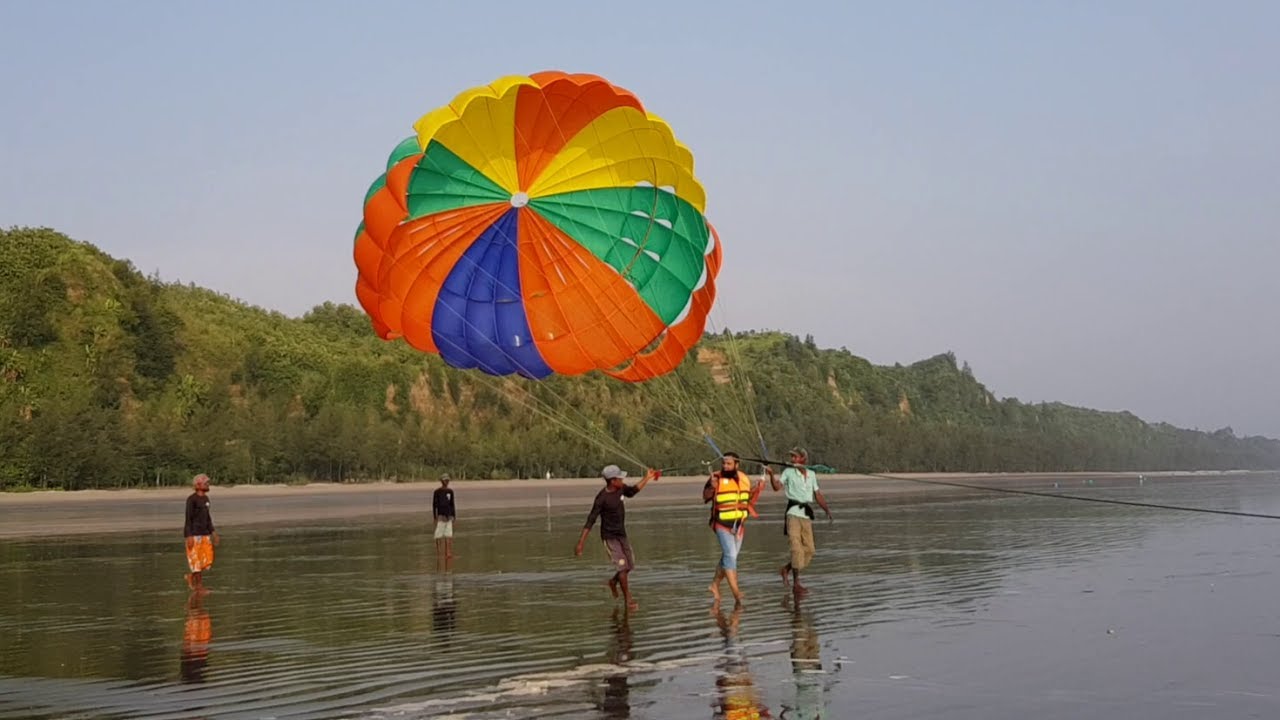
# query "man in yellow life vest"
(732, 499)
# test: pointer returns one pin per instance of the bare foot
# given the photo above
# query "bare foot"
(738, 601)
(785, 572)
(190, 584)
(715, 592)
(633, 606)
(801, 590)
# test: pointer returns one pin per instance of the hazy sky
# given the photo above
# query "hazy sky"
(1081, 199)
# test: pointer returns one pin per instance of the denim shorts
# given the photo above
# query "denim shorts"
(730, 545)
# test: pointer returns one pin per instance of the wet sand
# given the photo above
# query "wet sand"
(966, 607)
(40, 514)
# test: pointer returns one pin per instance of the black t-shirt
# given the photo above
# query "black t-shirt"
(442, 503)
(611, 511)
(198, 520)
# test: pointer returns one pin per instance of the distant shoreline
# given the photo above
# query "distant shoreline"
(64, 513)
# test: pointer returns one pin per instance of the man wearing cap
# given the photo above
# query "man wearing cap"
(198, 533)
(443, 511)
(802, 492)
(609, 508)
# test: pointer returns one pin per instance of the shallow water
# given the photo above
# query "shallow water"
(979, 607)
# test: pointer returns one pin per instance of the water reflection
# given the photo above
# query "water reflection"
(322, 627)
(444, 610)
(617, 686)
(737, 697)
(806, 665)
(444, 563)
(197, 633)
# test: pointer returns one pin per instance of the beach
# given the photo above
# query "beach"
(923, 602)
(134, 510)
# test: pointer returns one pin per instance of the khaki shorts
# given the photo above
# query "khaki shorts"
(800, 537)
(444, 529)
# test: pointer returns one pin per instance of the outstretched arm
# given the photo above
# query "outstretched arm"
(650, 474)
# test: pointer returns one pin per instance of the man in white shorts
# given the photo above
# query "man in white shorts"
(442, 509)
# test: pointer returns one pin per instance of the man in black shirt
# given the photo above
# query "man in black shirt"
(199, 533)
(443, 511)
(608, 507)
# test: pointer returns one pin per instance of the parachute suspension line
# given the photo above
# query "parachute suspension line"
(690, 401)
(589, 431)
(714, 448)
(677, 389)
(680, 389)
(746, 428)
(601, 439)
(748, 389)
(675, 393)
(1081, 498)
(668, 394)
(733, 404)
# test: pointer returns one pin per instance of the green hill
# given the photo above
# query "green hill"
(109, 378)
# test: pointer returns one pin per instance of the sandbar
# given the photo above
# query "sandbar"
(46, 514)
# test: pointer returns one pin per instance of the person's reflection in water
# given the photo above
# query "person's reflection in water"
(806, 666)
(197, 633)
(617, 687)
(444, 563)
(444, 609)
(736, 695)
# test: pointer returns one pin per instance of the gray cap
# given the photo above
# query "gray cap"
(612, 471)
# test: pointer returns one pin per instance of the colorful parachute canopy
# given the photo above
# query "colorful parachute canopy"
(538, 225)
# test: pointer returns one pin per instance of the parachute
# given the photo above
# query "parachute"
(539, 225)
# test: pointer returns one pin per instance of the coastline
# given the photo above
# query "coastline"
(61, 513)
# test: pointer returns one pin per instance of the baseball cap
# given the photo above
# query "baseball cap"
(612, 471)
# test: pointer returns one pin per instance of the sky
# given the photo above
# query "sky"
(1080, 199)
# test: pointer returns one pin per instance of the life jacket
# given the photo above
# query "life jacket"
(731, 503)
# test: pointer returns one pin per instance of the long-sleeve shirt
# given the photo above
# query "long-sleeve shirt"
(611, 511)
(198, 522)
(442, 503)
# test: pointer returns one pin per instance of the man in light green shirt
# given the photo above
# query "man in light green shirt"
(802, 492)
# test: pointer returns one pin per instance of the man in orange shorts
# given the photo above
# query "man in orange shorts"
(198, 530)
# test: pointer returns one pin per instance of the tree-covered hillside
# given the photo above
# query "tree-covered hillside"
(109, 378)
